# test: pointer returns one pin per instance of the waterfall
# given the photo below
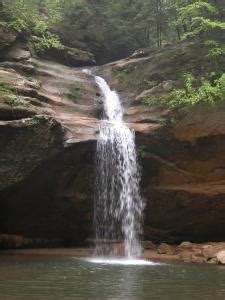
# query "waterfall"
(118, 204)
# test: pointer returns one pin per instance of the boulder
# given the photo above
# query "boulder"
(221, 257)
(211, 251)
(166, 249)
(186, 246)
(18, 52)
(193, 248)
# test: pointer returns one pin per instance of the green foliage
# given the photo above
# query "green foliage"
(216, 49)
(46, 41)
(41, 27)
(197, 18)
(34, 16)
(195, 9)
(112, 29)
(34, 122)
(116, 28)
(18, 24)
(151, 83)
(9, 98)
(16, 102)
(4, 89)
(192, 94)
(201, 25)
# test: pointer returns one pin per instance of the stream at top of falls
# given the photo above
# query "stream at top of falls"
(118, 204)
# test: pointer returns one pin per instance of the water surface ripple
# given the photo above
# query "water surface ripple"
(67, 278)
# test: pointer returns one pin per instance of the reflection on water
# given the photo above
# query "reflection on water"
(67, 278)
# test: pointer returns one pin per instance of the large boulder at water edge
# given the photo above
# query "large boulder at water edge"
(221, 257)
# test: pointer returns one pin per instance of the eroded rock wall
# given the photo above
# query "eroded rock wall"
(49, 118)
(181, 151)
(48, 121)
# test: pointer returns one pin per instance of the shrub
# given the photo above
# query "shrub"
(46, 41)
(151, 83)
(192, 94)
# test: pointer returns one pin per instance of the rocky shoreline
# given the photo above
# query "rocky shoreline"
(210, 253)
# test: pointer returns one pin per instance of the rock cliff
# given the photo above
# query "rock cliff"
(48, 127)
(182, 150)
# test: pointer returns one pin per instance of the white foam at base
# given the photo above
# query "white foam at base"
(121, 261)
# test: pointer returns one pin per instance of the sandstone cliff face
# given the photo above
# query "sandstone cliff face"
(48, 128)
(181, 151)
(48, 122)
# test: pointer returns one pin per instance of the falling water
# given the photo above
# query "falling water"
(118, 205)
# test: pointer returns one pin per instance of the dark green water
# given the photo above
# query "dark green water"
(49, 277)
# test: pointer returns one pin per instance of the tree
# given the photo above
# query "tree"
(197, 18)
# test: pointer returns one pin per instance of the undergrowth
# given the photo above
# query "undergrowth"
(192, 93)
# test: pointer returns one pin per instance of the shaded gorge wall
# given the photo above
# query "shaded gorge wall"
(54, 204)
